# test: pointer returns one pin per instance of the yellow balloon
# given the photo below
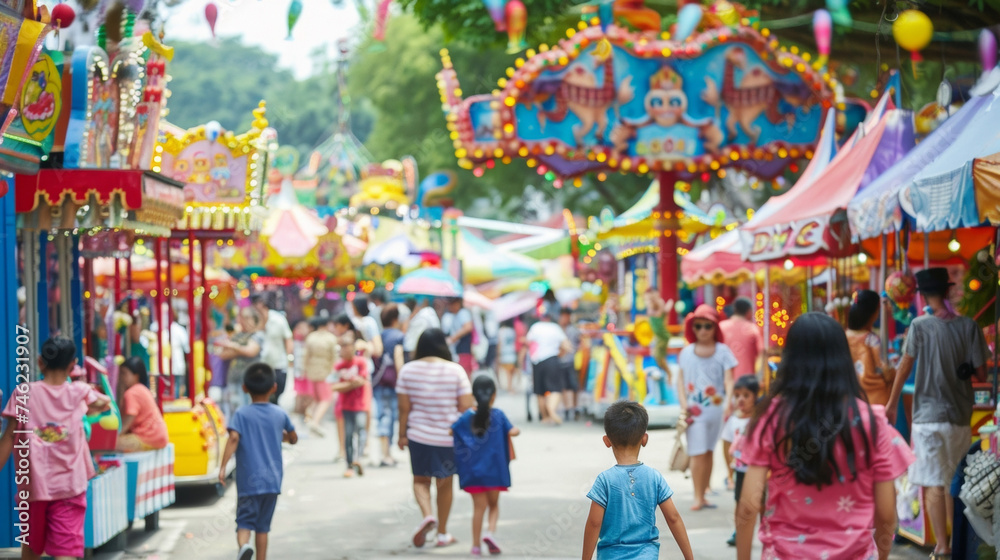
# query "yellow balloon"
(643, 332)
(109, 422)
(913, 30)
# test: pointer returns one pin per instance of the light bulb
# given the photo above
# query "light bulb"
(789, 264)
(862, 258)
(954, 245)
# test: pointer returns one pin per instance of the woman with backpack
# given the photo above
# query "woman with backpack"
(384, 381)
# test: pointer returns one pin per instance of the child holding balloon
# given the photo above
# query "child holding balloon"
(48, 417)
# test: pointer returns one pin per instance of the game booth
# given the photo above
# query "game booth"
(92, 117)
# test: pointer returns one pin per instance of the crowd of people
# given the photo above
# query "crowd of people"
(821, 440)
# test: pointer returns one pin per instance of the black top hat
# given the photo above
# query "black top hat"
(933, 280)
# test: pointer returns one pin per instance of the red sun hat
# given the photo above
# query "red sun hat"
(704, 312)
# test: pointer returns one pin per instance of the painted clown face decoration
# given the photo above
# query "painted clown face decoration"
(666, 102)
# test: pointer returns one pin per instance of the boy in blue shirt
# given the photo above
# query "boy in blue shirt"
(622, 521)
(255, 436)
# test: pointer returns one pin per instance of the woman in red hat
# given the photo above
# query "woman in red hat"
(705, 391)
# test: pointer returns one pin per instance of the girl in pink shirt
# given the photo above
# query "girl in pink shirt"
(832, 458)
(51, 456)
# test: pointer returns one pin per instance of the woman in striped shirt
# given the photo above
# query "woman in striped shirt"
(433, 391)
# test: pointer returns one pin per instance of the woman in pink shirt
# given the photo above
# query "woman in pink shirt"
(832, 457)
(51, 413)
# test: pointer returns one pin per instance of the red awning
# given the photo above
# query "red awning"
(154, 198)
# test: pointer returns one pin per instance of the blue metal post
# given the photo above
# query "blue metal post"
(43, 333)
(8, 334)
(76, 299)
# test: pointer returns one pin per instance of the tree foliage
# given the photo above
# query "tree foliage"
(225, 81)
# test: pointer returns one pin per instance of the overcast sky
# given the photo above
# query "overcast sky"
(265, 23)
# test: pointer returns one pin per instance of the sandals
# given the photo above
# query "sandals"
(426, 526)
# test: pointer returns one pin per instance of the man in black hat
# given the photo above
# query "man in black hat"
(947, 350)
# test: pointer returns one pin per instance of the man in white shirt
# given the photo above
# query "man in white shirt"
(423, 317)
(279, 346)
(547, 342)
(180, 347)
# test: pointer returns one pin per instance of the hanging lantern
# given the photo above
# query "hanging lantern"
(381, 20)
(517, 24)
(822, 31)
(294, 11)
(913, 31)
(987, 48)
(496, 10)
(211, 15)
(687, 21)
(63, 15)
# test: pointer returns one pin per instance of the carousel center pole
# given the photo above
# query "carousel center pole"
(668, 243)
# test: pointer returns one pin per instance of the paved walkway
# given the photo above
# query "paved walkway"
(323, 516)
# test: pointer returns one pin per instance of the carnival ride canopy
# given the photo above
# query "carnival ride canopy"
(805, 224)
(483, 262)
(144, 274)
(639, 221)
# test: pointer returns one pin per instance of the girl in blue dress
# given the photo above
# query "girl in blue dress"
(482, 454)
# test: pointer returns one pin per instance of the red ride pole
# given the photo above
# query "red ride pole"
(168, 291)
(204, 317)
(158, 314)
(669, 222)
(191, 317)
(113, 337)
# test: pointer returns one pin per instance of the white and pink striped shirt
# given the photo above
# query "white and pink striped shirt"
(433, 388)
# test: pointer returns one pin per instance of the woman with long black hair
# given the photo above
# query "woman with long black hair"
(831, 456)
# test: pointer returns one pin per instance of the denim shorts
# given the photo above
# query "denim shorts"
(255, 512)
(432, 461)
(387, 407)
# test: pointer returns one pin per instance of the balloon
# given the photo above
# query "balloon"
(913, 30)
(822, 30)
(987, 47)
(840, 13)
(496, 10)
(109, 422)
(381, 19)
(606, 13)
(212, 131)
(517, 23)
(294, 11)
(211, 15)
(687, 21)
(64, 15)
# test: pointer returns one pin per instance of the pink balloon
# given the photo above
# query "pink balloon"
(823, 31)
(211, 14)
(987, 49)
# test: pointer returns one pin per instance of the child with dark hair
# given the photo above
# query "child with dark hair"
(745, 393)
(482, 456)
(622, 521)
(255, 436)
(350, 380)
(60, 463)
(832, 457)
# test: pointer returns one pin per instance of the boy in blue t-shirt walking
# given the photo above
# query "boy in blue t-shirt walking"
(622, 521)
(255, 436)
